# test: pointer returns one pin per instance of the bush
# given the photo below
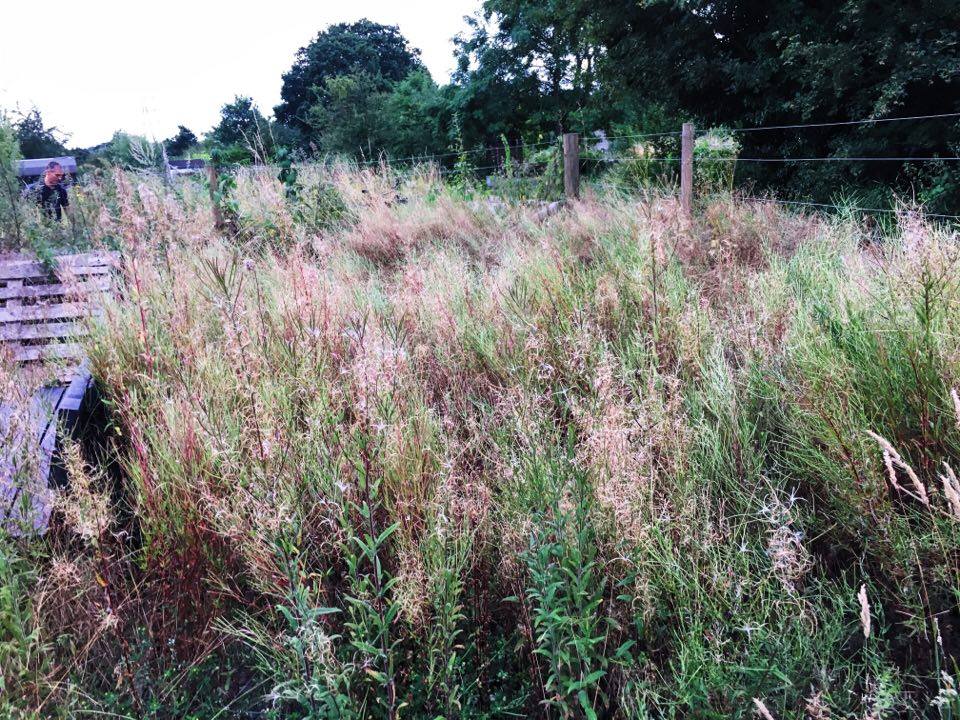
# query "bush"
(11, 233)
(714, 161)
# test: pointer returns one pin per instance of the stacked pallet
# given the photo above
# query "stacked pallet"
(42, 309)
(43, 312)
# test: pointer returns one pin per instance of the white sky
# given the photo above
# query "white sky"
(96, 66)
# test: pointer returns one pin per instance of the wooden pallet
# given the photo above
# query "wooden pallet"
(26, 500)
(43, 312)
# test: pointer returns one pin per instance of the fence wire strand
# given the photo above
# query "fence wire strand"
(838, 123)
(839, 158)
(847, 207)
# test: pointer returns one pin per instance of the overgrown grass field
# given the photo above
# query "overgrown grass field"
(383, 450)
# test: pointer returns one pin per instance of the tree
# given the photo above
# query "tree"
(36, 140)
(349, 121)
(416, 118)
(242, 126)
(378, 51)
(526, 69)
(358, 118)
(181, 142)
(552, 42)
(493, 94)
(748, 62)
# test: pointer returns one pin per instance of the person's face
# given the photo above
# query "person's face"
(53, 176)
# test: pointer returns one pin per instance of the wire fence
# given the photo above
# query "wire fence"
(467, 152)
(521, 162)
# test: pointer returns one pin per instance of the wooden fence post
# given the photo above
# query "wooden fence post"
(214, 191)
(686, 169)
(571, 166)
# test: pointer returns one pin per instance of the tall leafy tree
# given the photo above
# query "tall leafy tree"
(349, 121)
(36, 139)
(181, 142)
(380, 52)
(358, 118)
(493, 93)
(553, 42)
(417, 117)
(796, 62)
(241, 123)
(10, 227)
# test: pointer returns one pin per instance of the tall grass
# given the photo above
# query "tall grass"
(424, 459)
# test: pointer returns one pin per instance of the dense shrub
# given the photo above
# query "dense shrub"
(10, 221)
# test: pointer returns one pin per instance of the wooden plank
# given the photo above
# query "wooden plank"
(77, 389)
(58, 311)
(94, 257)
(36, 270)
(48, 352)
(9, 349)
(18, 514)
(15, 287)
(97, 257)
(42, 331)
(16, 292)
(92, 263)
(85, 281)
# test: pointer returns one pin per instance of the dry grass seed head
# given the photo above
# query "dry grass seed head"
(892, 457)
(864, 610)
(761, 709)
(86, 505)
(789, 558)
(816, 708)
(951, 490)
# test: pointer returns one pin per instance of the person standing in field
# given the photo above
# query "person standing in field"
(50, 193)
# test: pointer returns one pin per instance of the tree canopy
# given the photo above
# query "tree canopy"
(36, 139)
(240, 122)
(181, 142)
(377, 51)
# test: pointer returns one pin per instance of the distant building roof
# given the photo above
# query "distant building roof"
(36, 166)
(192, 164)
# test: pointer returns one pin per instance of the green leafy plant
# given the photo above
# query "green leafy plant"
(446, 552)
(370, 610)
(573, 633)
(714, 161)
(11, 232)
(643, 166)
(318, 686)
(22, 655)
(462, 177)
(319, 207)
